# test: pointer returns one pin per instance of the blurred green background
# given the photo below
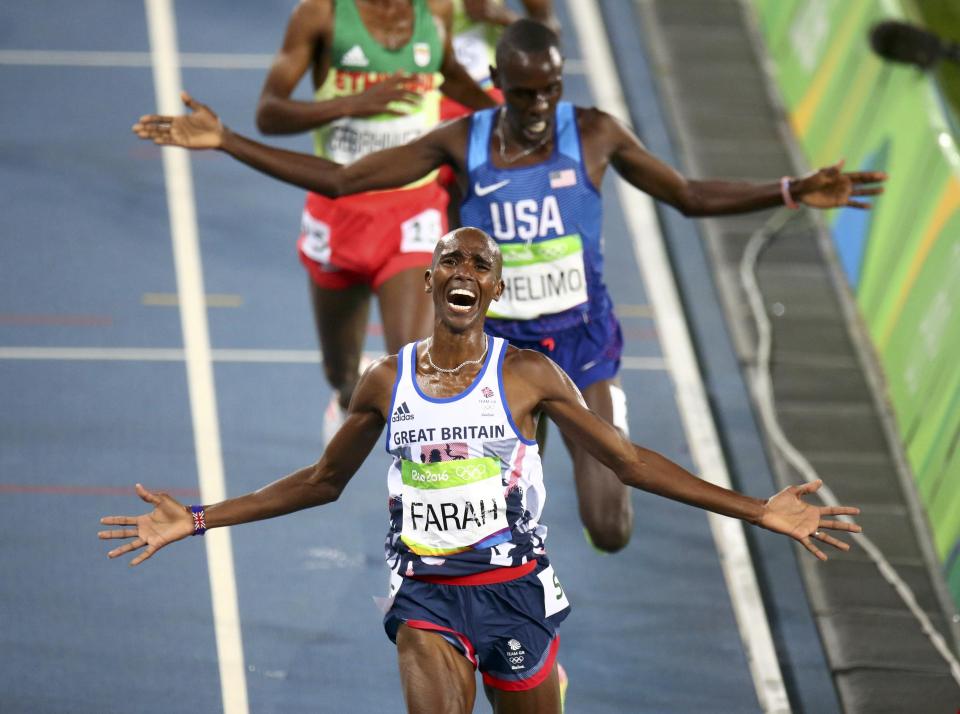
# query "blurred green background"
(943, 18)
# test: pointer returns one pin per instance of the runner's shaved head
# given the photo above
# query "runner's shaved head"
(468, 232)
(526, 37)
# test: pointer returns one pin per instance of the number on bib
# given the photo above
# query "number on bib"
(554, 598)
(421, 233)
(315, 239)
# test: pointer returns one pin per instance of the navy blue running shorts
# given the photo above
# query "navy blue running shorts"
(509, 630)
(588, 353)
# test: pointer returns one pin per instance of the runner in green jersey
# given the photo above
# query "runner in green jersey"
(376, 67)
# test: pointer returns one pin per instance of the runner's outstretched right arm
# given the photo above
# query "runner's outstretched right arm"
(390, 168)
(314, 485)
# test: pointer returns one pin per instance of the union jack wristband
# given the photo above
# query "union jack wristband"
(199, 520)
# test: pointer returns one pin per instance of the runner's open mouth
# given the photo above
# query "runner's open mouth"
(461, 299)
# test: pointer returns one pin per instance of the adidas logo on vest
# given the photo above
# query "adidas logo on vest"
(401, 413)
(354, 57)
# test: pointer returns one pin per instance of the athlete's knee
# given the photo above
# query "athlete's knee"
(609, 528)
(342, 376)
(611, 534)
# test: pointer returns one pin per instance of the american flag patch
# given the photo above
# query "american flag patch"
(563, 178)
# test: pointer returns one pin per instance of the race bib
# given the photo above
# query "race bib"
(541, 279)
(421, 233)
(554, 598)
(451, 506)
(315, 238)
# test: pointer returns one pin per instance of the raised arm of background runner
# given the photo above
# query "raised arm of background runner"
(828, 187)
(605, 141)
(314, 485)
(535, 383)
(390, 168)
(307, 36)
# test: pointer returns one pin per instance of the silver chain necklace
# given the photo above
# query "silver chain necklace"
(526, 152)
(460, 366)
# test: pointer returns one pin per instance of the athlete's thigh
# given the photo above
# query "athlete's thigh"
(597, 396)
(436, 678)
(341, 319)
(542, 699)
(603, 500)
(405, 309)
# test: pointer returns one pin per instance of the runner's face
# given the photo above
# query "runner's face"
(464, 278)
(532, 85)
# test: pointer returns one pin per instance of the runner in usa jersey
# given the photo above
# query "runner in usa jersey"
(547, 218)
(465, 487)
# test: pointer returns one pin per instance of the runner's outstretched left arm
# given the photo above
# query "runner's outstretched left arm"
(549, 389)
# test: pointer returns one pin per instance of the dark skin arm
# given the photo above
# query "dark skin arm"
(608, 142)
(535, 384)
(314, 485)
(202, 129)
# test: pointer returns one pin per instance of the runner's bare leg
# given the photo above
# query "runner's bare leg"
(542, 699)
(605, 507)
(341, 320)
(436, 678)
(405, 309)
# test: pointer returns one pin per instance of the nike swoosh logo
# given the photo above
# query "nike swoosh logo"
(484, 190)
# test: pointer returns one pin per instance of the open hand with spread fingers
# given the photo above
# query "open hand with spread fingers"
(200, 129)
(788, 513)
(169, 521)
(832, 187)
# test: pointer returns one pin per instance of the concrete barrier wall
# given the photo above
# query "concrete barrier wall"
(902, 259)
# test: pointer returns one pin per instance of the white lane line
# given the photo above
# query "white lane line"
(698, 423)
(173, 300)
(108, 354)
(189, 60)
(652, 364)
(196, 340)
(250, 356)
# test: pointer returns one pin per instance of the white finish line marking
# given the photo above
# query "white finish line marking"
(196, 340)
(190, 60)
(698, 423)
(250, 356)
